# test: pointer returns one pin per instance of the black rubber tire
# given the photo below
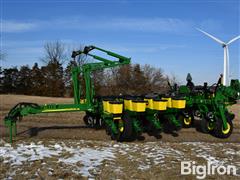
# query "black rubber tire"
(229, 115)
(85, 119)
(127, 134)
(99, 123)
(205, 126)
(218, 129)
(96, 121)
(184, 124)
(152, 131)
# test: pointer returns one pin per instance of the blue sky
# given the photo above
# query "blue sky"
(160, 33)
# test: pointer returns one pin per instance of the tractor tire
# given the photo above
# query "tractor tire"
(186, 122)
(206, 126)
(229, 116)
(127, 134)
(86, 120)
(152, 131)
(93, 121)
(218, 129)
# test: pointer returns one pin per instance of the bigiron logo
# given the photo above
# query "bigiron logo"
(201, 171)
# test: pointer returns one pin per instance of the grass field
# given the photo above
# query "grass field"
(59, 145)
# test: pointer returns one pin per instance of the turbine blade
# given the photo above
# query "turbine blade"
(232, 40)
(211, 36)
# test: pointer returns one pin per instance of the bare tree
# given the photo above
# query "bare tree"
(54, 52)
(173, 80)
(156, 82)
(55, 56)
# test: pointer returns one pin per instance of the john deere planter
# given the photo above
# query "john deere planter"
(125, 118)
(209, 105)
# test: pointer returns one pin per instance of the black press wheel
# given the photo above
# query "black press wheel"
(186, 120)
(127, 132)
(220, 132)
(206, 125)
(88, 120)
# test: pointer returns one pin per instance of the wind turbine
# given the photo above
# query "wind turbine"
(225, 55)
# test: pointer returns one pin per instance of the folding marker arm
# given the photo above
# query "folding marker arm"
(88, 68)
(24, 109)
(87, 49)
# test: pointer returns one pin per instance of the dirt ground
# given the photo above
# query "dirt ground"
(137, 160)
(70, 125)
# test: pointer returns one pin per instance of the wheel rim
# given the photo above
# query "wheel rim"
(90, 120)
(210, 126)
(121, 129)
(227, 130)
(187, 121)
(121, 126)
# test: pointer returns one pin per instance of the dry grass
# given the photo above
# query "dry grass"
(8, 101)
(66, 127)
(71, 125)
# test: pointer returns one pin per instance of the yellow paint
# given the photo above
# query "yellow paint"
(128, 104)
(120, 125)
(106, 106)
(61, 110)
(227, 130)
(121, 129)
(139, 106)
(149, 104)
(187, 121)
(160, 105)
(210, 126)
(179, 104)
(82, 101)
(169, 101)
(117, 118)
(115, 108)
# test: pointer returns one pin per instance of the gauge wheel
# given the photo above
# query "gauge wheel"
(220, 132)
(206, 125)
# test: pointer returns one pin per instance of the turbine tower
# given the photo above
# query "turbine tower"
(225, 55)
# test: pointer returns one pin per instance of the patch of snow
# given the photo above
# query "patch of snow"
(26, 152)
(232, 152)
(25, 173)
(144, 167)
(159, 154)
(88, 158)
(116, 145)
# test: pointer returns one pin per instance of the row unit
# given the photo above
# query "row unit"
(116, 107)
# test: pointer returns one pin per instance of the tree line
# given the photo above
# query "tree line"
(54, 79)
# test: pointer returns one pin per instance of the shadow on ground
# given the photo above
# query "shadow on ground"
(35, 130)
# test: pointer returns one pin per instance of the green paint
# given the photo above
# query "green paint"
(204, 102)
(24, 109)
